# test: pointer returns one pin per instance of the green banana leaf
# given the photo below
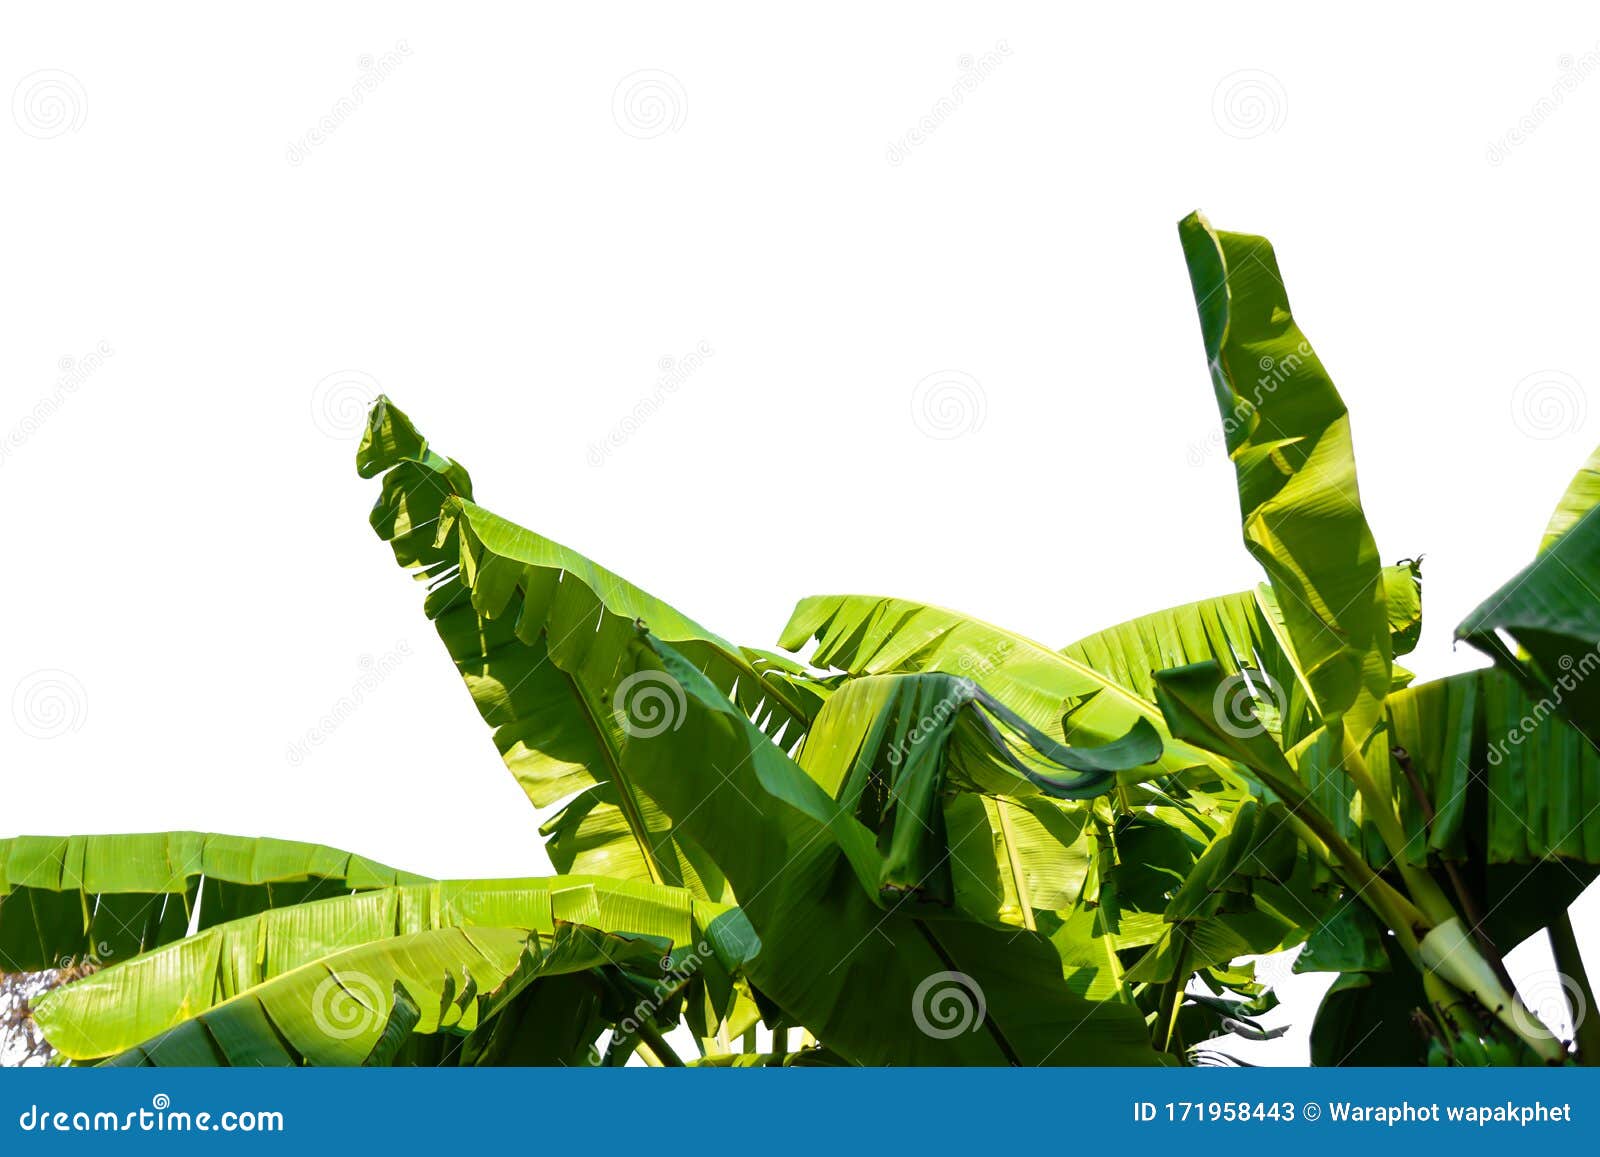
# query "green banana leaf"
(1252, 891)
(906, 755)
(535, 630)
(1288, 434)
(342, 1009)
(65, 899)
(1580, 497)
(1513, 796)
(878, 987)
(1241, 630)
(1059, 695)
(118, 1007)
(1544, 625)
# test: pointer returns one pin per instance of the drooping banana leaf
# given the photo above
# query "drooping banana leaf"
(1059, 695)
(909, 755)
(340, 1010)
(1251, 892)
(555, 1020)
(118, 1007)
(1512, 797)
(1544, 625)
(1506, 788)
(106, 898)
(535, 630)
(876, 986)
(1369, 1017)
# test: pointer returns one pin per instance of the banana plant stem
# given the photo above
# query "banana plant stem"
(1586, 1018)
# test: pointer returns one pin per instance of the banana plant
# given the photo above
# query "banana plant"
(907, 836)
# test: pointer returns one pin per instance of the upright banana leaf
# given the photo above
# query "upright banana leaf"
(536, 629)
(106, 898)
(118, 1007)
(877, 986)
(1288, 434)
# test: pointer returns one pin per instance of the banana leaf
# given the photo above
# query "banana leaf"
(535, 630)
(1580, 497)
(1288, 434)
(877, 986)
(66, 899)
(1544, 624)
(118, 1007)
(342, 1009)
(1057, 694)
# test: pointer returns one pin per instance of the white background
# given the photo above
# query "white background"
(507, 244)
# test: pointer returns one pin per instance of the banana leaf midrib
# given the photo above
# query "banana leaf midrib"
(625, 787)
